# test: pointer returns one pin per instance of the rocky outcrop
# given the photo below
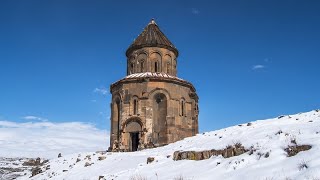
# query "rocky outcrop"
(293, 150)
(229, 151)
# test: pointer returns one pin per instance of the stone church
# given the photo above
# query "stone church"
(151, 106)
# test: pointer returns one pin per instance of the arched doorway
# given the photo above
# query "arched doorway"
(159, 119)
(133, 127)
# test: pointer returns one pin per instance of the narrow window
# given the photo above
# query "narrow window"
(131, 70)
(182, 108)
(135, 107)
(156, 67)
(168, 68)
(141, 66)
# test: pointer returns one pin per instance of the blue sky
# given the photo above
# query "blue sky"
(247, 59)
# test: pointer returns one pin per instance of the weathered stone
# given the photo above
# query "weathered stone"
(88, 164)
(293, 150)
(100, 158)
(36, 170)
(33, 162)
(150, 160)
(229, 151)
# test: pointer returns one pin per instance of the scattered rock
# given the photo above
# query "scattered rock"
(36, 170)
(100, 158)
(293, 150)
(150, 160)
(279, 117)
(279, 132)
(88, 157)
(59, 155)
(64, 170)
(249, 124)
(88, 164)
(78, 160)
(101, 178)
(101, 152)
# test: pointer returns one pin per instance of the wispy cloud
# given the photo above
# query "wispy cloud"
(195, 11)
(34, 118)
(102, 91)
(258, 66)
(47, 139)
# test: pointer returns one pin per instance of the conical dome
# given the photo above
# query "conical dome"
(152, 36)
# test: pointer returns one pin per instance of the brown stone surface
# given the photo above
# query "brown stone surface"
(229, 151)
(293, 150)
(150, 160)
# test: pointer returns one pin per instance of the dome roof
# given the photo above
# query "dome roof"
(152, 36)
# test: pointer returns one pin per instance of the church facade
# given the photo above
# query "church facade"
(151, 106)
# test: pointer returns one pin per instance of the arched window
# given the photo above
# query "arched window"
(131, 68)
(135, 106)
(168, 68)
(182, 107)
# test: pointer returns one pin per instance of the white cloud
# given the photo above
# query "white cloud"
(102, 91)
(34, 118)
(48, 139)
(258, 66)
(195, 11)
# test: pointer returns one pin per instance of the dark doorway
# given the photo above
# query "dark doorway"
(134, 141)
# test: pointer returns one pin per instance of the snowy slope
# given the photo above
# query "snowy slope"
(272, 136)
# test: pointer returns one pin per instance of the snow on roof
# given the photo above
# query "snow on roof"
(152, 74)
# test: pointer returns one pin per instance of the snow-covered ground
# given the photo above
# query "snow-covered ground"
(270, 136)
